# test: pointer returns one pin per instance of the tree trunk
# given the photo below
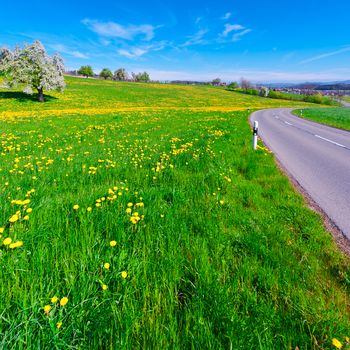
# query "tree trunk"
(41, 95)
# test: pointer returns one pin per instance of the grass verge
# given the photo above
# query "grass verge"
(337, 117)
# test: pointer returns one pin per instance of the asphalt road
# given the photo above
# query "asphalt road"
(344, 103)
(317, 156)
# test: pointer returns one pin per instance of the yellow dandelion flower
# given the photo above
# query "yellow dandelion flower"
(16, 244)
(26, 218)
(76, 207)
(347, 339)
(337, 343)
(7, 241)
(104, 287)
(98, 205)
(54, 299)
(106, 266)
(47, 309)
(14, 218)
(2, 229)
(130, 204)
(124, 274)
(113, 243)
(29, 210)
(222, 202)
(64, 301)
(128, 210)
(88, 209)
(58, 325)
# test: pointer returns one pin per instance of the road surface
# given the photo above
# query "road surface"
(344, 103)
(317, 156)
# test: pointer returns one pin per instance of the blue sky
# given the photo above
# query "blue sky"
(264, 41)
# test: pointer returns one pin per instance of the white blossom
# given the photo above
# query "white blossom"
(33, 67)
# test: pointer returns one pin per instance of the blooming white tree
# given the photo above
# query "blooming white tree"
(32, 67)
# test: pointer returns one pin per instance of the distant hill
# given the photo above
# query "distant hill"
(336, 85)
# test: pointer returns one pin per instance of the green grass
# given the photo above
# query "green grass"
(337, 117)
(91, 96)
(225, 254)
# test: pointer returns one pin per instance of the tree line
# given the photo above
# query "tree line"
(120, 74)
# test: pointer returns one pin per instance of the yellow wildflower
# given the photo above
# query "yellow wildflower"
(128, 210)
(58, 325)
(130, 204)
(222, 202)
(14, 218)
(337, 343)
(2, 229)
(104, 287)
(76, 207)
(26, 218)
(16, 244)
(54, 299)
(124, 274)
(29, 210)
(7, 241)
(64, 301)
(88, 209)
(47, 309)
(106, 266)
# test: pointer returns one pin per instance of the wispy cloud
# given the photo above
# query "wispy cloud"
(226, 16)
(133, 52)
(68, 51)
(139, 51)
(231, 28)
(198, 19)
(326, 55)
(238, 36)
(232, 32)
(116, 30)
(196, 39)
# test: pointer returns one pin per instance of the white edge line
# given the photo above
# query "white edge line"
(334, 143)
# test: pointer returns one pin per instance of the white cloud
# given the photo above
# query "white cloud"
(325, 55)
(66, 50)
(231, 28)
(226, 16)
(238, 36)
(198, 19)
(138, 51)
(133, 52)
(116, 30)
(196, 39)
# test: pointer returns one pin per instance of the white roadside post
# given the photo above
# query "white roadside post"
(255, 134)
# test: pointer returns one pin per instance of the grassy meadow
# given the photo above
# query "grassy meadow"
(137, 217)
(337, 117)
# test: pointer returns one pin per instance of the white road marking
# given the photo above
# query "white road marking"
(334, 143)
(288, 123)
